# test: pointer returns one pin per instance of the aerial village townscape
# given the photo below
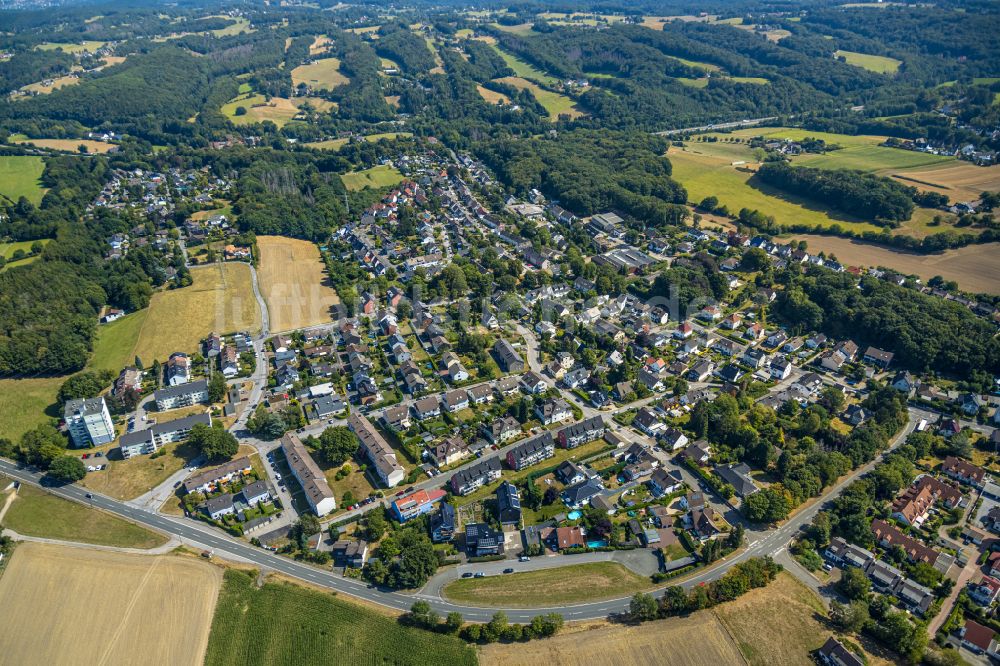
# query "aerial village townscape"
(437, 334)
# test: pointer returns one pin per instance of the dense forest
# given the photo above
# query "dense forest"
(864, 195)
(924, 332)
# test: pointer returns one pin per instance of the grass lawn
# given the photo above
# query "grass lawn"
(554, 103)
(240, 25)
(692, 83)
(873, 63)
(706, 66)
(37, 513)
(288, 624)
(71, 48)
(116, 341)
(704, 175)
(19, 177)
(749, 79)
(23, 403)
(127, 479)
(7, 250)
(519, 29)
(220, 299)
(574, 583)
(523, 69)
(379, 176)
(322, 74)
(355, 483)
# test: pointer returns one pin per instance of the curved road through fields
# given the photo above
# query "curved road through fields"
(760, 543)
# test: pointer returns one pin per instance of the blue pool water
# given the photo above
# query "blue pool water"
(573, 515)
(596, 544)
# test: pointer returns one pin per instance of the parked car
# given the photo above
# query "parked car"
(508, 570)
(524, 558)
(467, 574)
(479, 574)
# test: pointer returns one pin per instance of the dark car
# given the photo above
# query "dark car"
(508, 570)
(467, 574)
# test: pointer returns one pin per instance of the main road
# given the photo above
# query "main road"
(760, 542)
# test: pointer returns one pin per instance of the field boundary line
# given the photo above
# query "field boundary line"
(128, 612)
(732, 638)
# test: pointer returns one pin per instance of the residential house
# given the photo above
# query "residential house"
(699, 452)
(481, 540)
(673, 439)
(480, 394)
(229, 362)
(842, 553)
(305, 470)
(877, 357)
(647, 421)
(427, 408)
(468, 479)
(442, 524)
(210, 480)
(979, 639)
(178, 369)
(833, 653)
(581, 493)
(377, 450)
(508, 504)
(664, 482)
(397, 417)
(507, 357)
(531, 452)
(449, 452)
(456, 401)
(501, 430)
(985, 592)
(416, 504)
(567, 537)
(581, 432)
(89, 421)
(738, 476)
(964, 472)
(553, 410)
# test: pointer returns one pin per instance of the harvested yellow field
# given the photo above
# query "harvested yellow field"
(698, 640)
(319, 104)
(785, 608)
(293, 282)
(493, 97)
(67, 605)
(47, 86)
(221, 299)
(959, 181)
(322, 74)
(71, 145)
(974, 267)
(321, 44)
(278, 110)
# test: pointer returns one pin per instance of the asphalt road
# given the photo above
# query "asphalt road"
(760, 543)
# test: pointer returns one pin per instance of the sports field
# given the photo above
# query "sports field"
(322, 74)
(19, 177)
(554, 103)
(284, 623)
(576, 583)
(873, 63)
(67, 605)
(278, 110)
(294, 283)
(974, 267)
(37, 513)
(379, 176)
(697, 640)
(220, 299)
